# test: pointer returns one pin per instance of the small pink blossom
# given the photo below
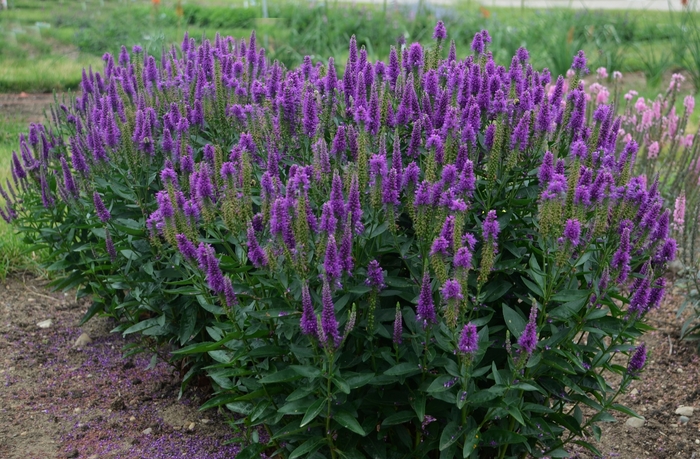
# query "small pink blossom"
(679, 213)
(676, 81)
(603, 96)
(640, 105)
(653, 150)
(687, 141)
(617, 75)
(570, 73)
(602, 72)
(689, 104)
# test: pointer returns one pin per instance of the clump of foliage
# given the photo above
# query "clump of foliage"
(429, 256)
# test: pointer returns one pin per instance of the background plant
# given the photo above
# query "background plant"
(426, 256)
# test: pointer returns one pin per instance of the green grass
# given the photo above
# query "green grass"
(76, 33)
(14, 255)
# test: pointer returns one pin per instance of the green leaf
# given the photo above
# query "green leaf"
(450, 434)
(259, 409)
(349, 421)
(418, 405)
(341, 384)
(143, 325)
(502, 436)
(534, 288)
(306, 371)
(309, 446)
(398, 418)
(625, 410)
(267, 351)
(295, 407)
(517, 415)
(188, 321)
(440, 384)
(358, 380)
(514, 321)
(589, 447)
(288, 374)
(313, 411)
(565, 296)
(471, 441)
(402, 369)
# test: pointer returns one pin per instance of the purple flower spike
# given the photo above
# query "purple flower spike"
(109, 245)
(426, 308)
(572, 231)
(398, 329)
(331, 264)
(68, 179)
(102, 212)
(440, 32)
(490, 226)
(638, 360)
(229, 293)
(528, 340)
(375, 276)
(469, 340)
(579, 64)
(546, 169)
(621, 258)
(329, 323)
(186, 247)
(463, 258)
(451, 290)
(309, 324)
(255, 253)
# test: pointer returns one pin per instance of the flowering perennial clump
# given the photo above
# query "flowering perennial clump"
(401, 251)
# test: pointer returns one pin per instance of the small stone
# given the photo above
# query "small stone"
(634, 391)
(76, 410)
(679, 370)
(697, 442)
(191, 426)
(676, 266)
(82, 340)
(73, 454)
(118, 404)
(635, 422)
(685, 410)
(132, 419)
(205, 421)
(694, 293)
(683, 420)
(147, 431)
(45, 323)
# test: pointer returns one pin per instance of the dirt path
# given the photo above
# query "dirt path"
(25, 107)
(58, 400)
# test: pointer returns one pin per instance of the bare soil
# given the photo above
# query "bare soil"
(62, 401)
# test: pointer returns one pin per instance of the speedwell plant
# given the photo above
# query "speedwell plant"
(428, 257)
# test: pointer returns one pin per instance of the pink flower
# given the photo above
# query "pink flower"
(679, 213)
(640, 105)
(617, 75)
(687, 141)
(603, 96)
(653, 151)
(602, 72)
(570, 73)
(676, 81)
(689, 104)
